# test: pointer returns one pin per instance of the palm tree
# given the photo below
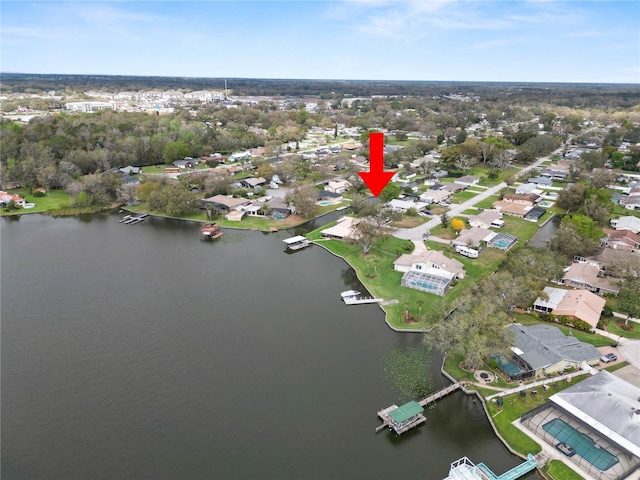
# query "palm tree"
(420, 304)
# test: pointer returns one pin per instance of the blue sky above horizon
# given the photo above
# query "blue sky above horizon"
(440, 40)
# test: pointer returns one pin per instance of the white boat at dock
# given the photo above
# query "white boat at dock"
(353, 297)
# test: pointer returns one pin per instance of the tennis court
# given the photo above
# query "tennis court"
(597, 456)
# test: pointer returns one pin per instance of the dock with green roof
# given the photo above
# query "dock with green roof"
(405, 417)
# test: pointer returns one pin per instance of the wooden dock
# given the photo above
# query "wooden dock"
(385, 413)
(133, 219)
(441, 393)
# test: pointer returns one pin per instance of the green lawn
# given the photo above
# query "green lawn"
(558, 470)
(523, 229)
(614, 325)
(54, 200)
(488, 202)
(463, 196)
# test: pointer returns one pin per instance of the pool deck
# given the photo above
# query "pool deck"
(550, 452)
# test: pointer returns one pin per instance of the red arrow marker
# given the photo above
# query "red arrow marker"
(376, 179)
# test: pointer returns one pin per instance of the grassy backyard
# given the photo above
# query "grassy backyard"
(56, 202)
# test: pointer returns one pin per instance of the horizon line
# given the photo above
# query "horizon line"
(328, 79)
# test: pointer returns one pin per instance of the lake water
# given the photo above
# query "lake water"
(141, 352)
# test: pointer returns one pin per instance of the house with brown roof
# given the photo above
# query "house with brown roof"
(512, 209)
(622, 240)
(529, 199)
(223, 203)
(472, 237)
(587, 276)
(580, 304)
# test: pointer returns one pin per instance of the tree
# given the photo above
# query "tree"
(629, 300)
(304, 199)
(146, 189)
(361, 206)
(444, 220)
(572, 198)
(173, 151)
(457, 224)
(391, 191)
(569, 242)
(474, 331)
(370, 230)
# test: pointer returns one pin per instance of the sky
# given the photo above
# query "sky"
(437, 40)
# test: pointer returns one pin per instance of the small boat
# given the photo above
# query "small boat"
(210, 231)
(349, 293)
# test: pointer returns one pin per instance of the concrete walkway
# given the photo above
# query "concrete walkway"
(417, 233)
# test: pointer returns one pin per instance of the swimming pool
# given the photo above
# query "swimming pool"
(546, 203)
(325, 203)
(597, 456)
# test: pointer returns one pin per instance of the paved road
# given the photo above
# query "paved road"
(418, 232)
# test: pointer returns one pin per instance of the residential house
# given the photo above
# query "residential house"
(252, 182)
(473, 237)
(337, 186)
(427, 260)
(511, 209)
(131, 170)
(467, 181)
(185, 163)
(626, 223)
(487, 219)
(602, 409)
(435, 196)
(580, 304)
(622, 240)
(453, 187)
(403, 205)
(326, 196)
(345, 228)
(527, 188)
(546, 181)
(554, 173)
(223, 203)
(530, 199)
(587, 276)
(541, 350)
(239, 156)
(5, 198)
(278, 208)
(631, 201)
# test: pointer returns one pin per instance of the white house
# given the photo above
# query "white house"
(431, 259)
(403, 205)
(626, 223)
(339, 186)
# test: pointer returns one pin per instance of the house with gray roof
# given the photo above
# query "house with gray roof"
(545, 350)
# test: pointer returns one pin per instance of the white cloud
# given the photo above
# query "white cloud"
(491, 44)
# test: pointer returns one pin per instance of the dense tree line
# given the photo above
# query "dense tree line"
(570, 95)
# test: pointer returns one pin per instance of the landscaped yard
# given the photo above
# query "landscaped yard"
(463, 196)
(54, 200)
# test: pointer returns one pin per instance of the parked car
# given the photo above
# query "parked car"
(609, 357)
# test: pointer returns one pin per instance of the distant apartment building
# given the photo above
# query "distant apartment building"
(89, 107)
